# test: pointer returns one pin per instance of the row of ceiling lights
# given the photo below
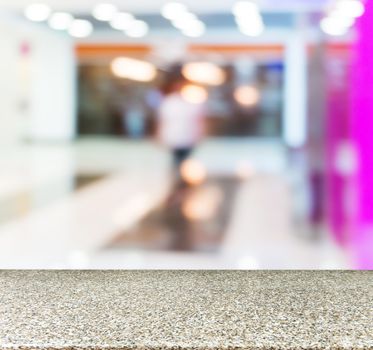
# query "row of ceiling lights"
(248, 18)
(184, 20)
(59, 20)
(341, 16)
(246, 12)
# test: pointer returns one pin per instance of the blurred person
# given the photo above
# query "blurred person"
(180, 123)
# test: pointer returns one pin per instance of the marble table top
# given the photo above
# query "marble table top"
(189, 310)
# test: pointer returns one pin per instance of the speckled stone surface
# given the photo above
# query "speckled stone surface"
(186, 310)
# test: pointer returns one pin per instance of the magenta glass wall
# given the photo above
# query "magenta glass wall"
(362, 136)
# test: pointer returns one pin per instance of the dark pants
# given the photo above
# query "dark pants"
(179, 155)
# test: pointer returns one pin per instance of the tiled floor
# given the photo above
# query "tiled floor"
(46, 223)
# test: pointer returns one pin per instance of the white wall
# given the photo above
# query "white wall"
(54, 87)
(9, 118)
(44, 80)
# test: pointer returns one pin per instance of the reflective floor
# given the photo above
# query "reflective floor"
(108, 203)
(192, 218)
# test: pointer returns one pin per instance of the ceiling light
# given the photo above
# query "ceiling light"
(137, 29)
(37, 12)
(343, 21)
(80, 28)
(252, 27)
(350, 8)
(249, 20)
(60, 21)
(104, 12)
(173, 10)
(244, 8)
(194, 32)
(185, 21)
(196, 29)
(333, 26)
(129, 68)
(252, 30)
(204, 73)
(194, 94)
(122, 21)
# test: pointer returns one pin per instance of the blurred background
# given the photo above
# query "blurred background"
(280, 94)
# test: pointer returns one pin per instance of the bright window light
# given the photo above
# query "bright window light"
(38, 12)
(60, 21)
(204, 73)
(173, 10)
(80, 28)
(133, 69)
(122, 21)
(104, 12)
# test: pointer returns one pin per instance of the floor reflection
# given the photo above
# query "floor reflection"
(23, 203)
(81, 181)
(194, 218)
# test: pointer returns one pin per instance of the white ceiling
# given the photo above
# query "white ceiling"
(153, 6)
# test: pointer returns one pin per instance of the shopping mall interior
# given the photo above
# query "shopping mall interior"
(279, 177)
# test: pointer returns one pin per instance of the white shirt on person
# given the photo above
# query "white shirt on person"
(180, 122)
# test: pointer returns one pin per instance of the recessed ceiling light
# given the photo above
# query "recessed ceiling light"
(122, 21)
(184, 21)
(104, 12)
(60, 21)
(350, 8)
(332, 26)
(37, 12)
(80, 28)
(138, 29)
(195, 30)
(244, 23)
(173, 10)
(244, 8)
(248, 18)
(252, 31)
(342, 21)
(251, 28)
